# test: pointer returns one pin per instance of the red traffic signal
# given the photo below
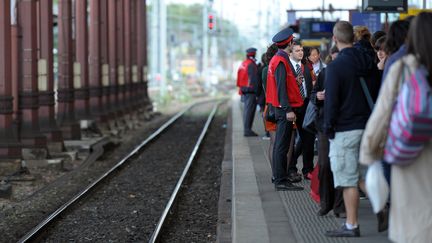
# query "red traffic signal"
(210, 21)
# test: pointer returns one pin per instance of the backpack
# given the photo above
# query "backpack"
(411, 120)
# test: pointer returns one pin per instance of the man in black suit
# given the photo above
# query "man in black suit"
(304, 81)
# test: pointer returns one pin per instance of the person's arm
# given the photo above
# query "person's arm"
(280, 76)
(331, 101)
(238, 77)
(264, 78)
(259, 85)
(253, 78)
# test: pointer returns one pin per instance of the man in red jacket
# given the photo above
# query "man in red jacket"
(247, 79)
(283, 93)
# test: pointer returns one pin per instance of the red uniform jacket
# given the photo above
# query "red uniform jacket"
(242, 74)
(293, 93)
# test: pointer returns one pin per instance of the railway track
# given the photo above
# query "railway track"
(137, 179)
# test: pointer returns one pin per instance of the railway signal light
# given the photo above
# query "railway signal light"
(210, 21)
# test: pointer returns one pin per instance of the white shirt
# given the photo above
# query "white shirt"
(294, 63)
(317, 66)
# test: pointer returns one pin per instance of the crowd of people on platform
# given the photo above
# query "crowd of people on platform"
(370, 89)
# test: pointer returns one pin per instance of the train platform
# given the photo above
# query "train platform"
(261, 214)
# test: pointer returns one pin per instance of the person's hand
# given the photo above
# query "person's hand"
(291, 116)
(381, 64)
(321, 95)
(299, 78)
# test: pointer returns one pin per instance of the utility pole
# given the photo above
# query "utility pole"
(163, 46)
(322, 10)
(159, 45)
(213, 48)
(205, 45)
(214, 51)
(154, 41)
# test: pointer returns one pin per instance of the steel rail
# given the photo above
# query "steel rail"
(159, 225)
(37, 229)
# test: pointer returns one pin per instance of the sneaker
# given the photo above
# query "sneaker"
(343, 231)
(265, 138)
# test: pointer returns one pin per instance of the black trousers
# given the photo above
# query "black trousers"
(284, 130)
(330, 198)
(249, 111)
(305, 146)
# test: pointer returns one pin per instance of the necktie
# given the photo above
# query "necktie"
(300, 81)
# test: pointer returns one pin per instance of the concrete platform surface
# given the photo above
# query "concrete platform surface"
(261, 214)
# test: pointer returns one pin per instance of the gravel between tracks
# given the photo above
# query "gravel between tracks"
(195, 217)
(18, 218)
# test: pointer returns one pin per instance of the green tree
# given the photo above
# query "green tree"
(185, 24)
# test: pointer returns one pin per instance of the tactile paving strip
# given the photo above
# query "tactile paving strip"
(301, 210)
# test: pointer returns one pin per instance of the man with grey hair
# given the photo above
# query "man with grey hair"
(346, 113)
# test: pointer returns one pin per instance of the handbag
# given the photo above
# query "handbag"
(314, 185)
(376, 186)
(310, 117)
(270, 113)
(411, 120)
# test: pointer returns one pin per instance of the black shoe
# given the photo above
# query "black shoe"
(250, 134)
(340, 215)
(383, 217)
(293, 177)
(362, 195)
(344, 232)
(287, 186)
(323, 212)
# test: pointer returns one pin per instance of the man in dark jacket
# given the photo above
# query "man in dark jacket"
(346, 113)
